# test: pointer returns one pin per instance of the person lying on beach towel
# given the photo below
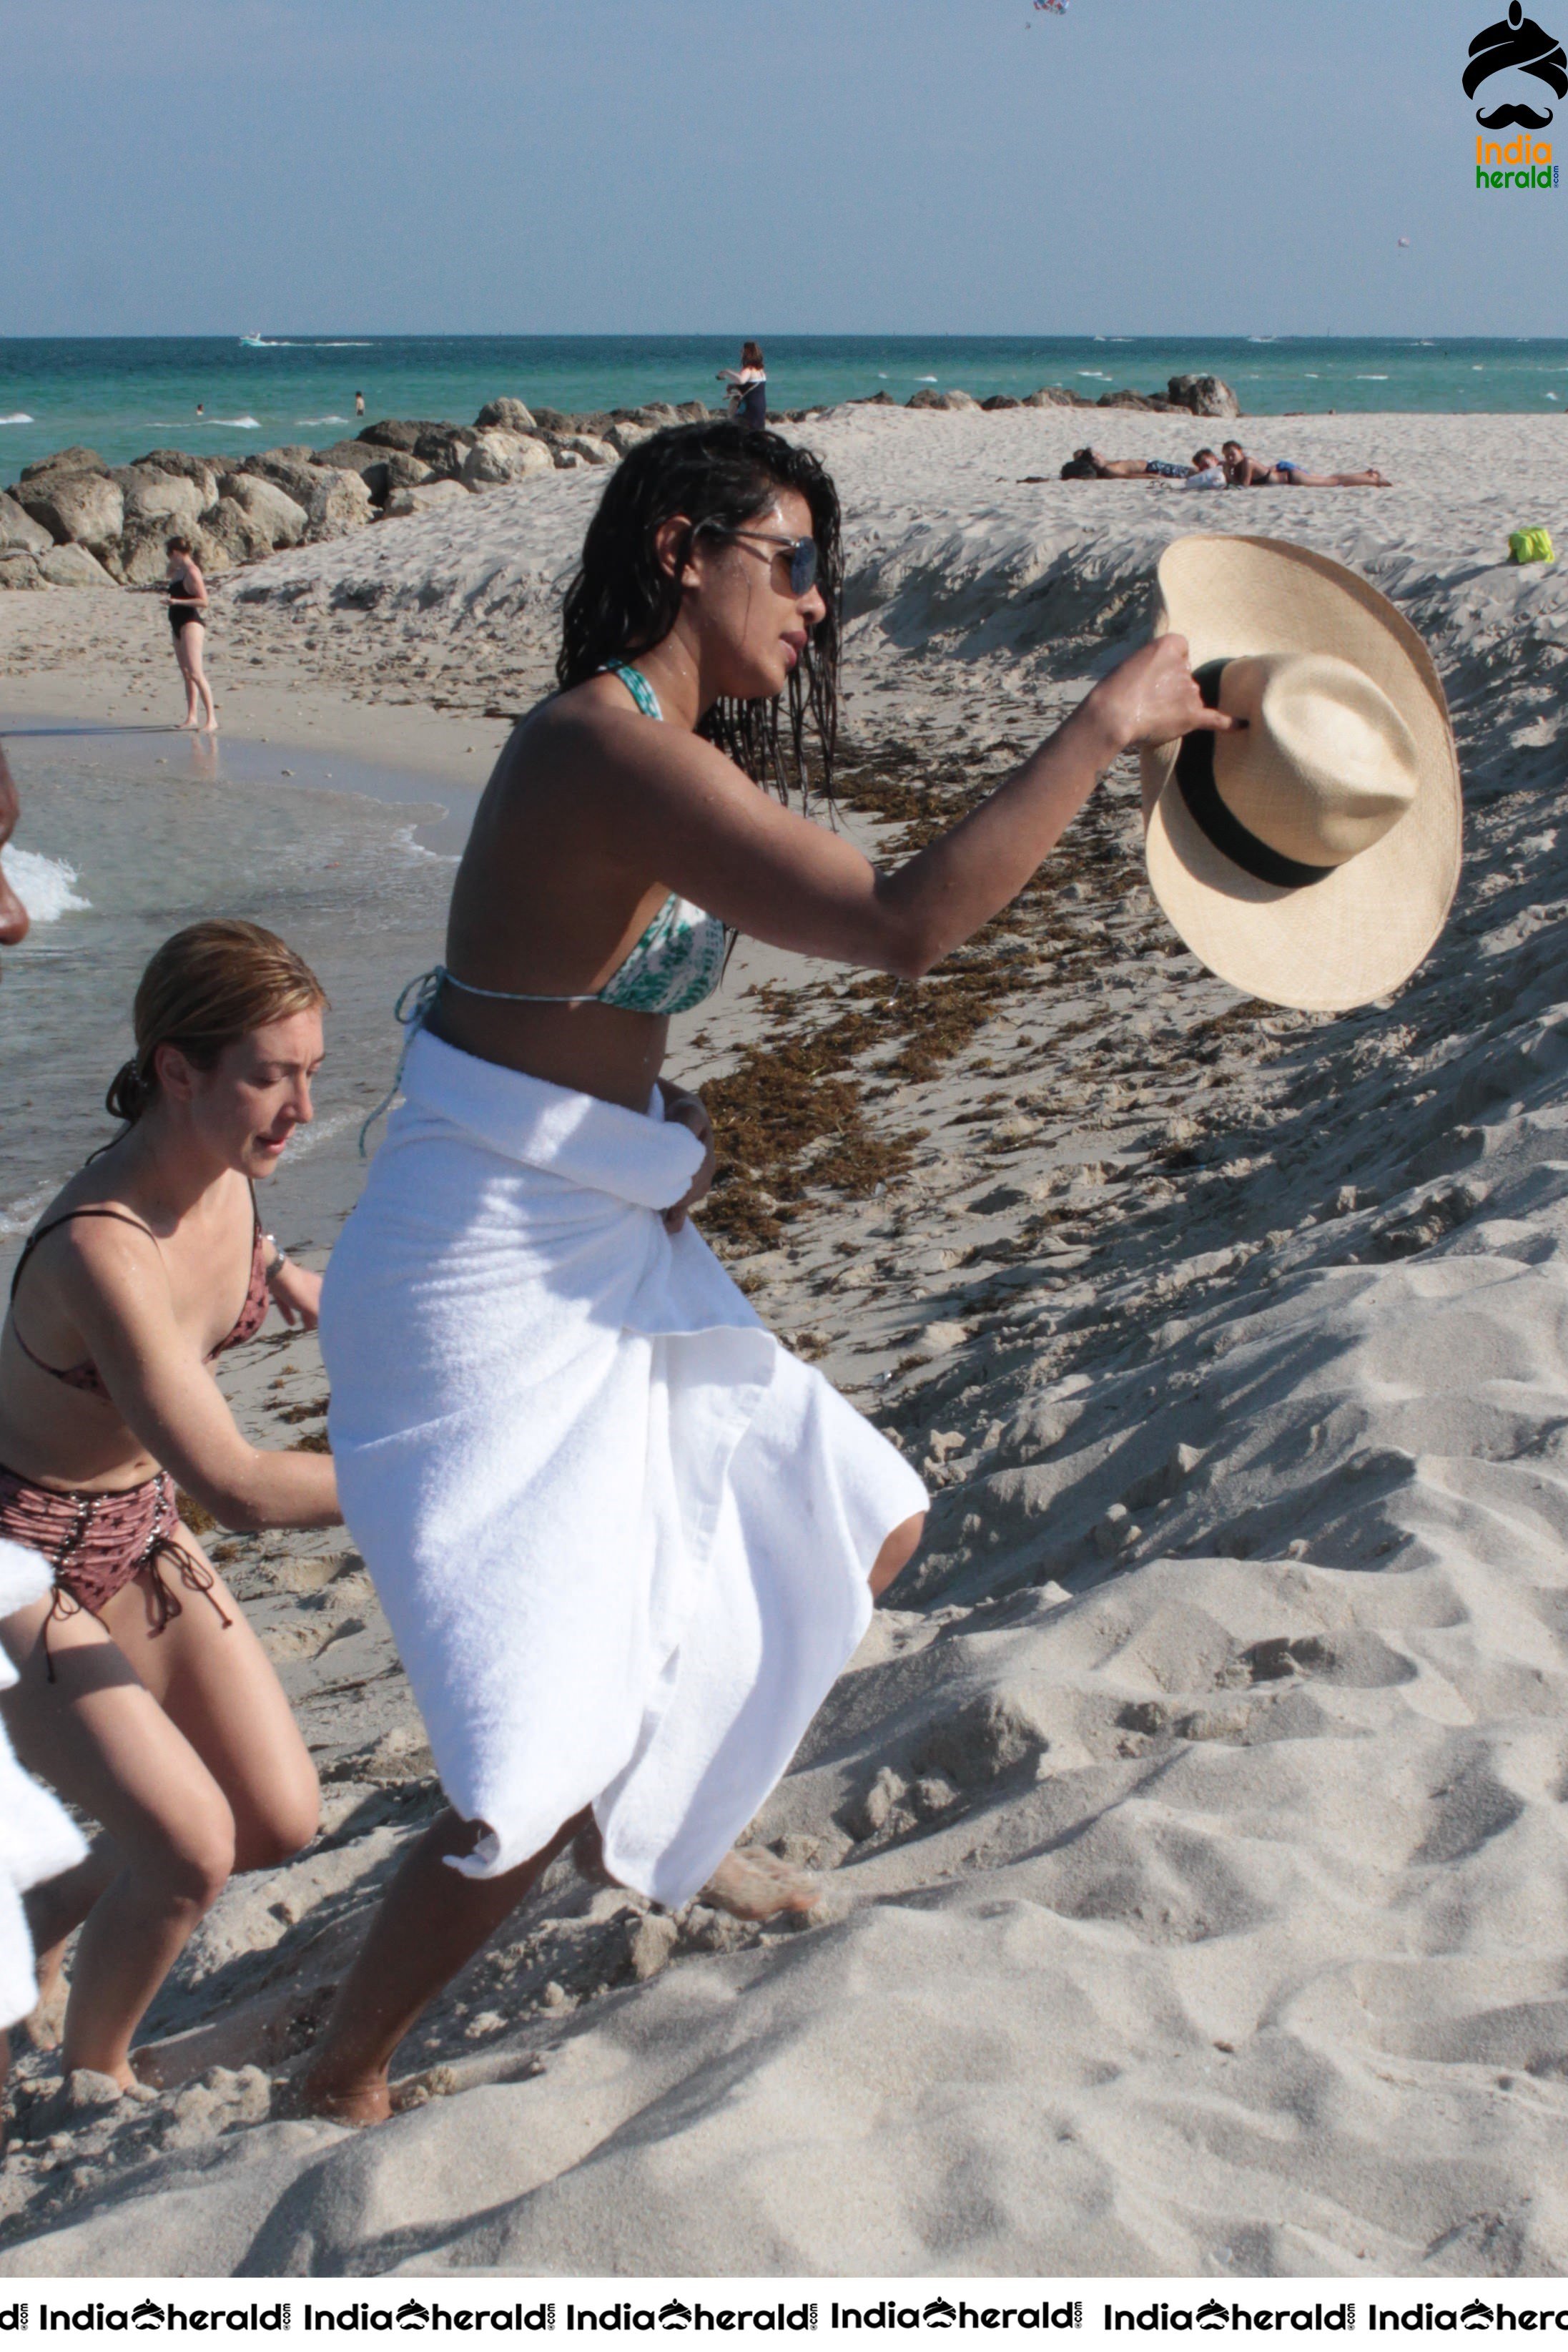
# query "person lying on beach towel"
(1089, 466)
(1245, 473)
(624, 1540)
(137, 1689)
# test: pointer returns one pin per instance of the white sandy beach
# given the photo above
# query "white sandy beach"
(1192, 1831)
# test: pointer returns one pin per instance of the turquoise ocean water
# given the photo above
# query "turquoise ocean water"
(122, 397)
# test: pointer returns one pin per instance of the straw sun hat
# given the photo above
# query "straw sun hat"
(1312, 857)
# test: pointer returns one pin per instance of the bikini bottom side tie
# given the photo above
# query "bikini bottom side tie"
(97, 1544)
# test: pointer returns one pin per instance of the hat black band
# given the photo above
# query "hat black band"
(1221, 826)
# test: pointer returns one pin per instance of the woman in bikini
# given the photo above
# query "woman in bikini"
(142, 1695)
(188, 622)
(1243, 472)
(557, 1422)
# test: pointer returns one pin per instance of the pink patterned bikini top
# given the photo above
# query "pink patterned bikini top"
(86, 1376)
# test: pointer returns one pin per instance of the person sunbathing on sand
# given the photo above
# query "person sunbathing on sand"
(1089, 466)
(142, 1694)
(626, 1540)
(1245, 473)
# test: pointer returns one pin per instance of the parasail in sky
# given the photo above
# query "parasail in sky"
(1404, 240)
(1052, 8)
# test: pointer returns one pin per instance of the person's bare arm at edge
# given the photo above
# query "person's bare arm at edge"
(677, 808)
(114, 1288)
(13, 914)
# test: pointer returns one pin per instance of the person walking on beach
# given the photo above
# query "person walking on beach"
(626, 1540)
(142, 1694)
(749, 387)
(188, 621)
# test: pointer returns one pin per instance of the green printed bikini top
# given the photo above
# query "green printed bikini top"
(678, 961)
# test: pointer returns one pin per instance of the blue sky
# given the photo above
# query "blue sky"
(558, 166)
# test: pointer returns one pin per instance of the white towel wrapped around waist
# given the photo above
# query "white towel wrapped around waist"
(622, 1537)
(37, 1837)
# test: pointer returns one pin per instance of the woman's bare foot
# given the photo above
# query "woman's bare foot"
(749, 1883)
(752, 1884)
(45, 2022)
(357, 2104)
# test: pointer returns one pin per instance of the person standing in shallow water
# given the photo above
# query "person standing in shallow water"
(142, 1694)
(531, 1481)
(187, 593)
(358, 404)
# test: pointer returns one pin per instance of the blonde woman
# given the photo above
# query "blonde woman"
(142, 1695)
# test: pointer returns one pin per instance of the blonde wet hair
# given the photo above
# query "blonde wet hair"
(210, 985)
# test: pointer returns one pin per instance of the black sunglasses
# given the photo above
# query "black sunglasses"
(802, 554)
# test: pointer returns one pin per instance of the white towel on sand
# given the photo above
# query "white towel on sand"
(622, 1537)
(37, 1837)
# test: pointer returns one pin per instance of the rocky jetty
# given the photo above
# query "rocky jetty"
(1198, 395)
(73, 521)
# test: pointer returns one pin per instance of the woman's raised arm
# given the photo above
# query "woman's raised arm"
(683, 811)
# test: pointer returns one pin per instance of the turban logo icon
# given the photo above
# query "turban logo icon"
(1518, 44)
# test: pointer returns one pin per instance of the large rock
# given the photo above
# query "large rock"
(338, 503)
(73, 567)
(198, 471)
(1001, 400)
(77, 510)
(1054, 395)
(397, 431)
(625, 435)
(498, 456)
(153, 496)
(587, 447)
(142, 556)
(445, 448)
(243, 536)
(1205, 395)
(382, 470)
(510, 414)
(1133, 400)
(273, 514)
(403, 471)
(335, 500)
(294, 477)
(18, 531)
(422, 497)
(928, 397)
(351, 456)
(20, 570)
(74, 460)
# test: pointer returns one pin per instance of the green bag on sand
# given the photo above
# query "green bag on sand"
(1532, 547)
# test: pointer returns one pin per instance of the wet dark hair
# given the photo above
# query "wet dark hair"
(205, 989)
(1205, 457)
(751, 355)
(1081, 469)
(178, 547)
(623, 602)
